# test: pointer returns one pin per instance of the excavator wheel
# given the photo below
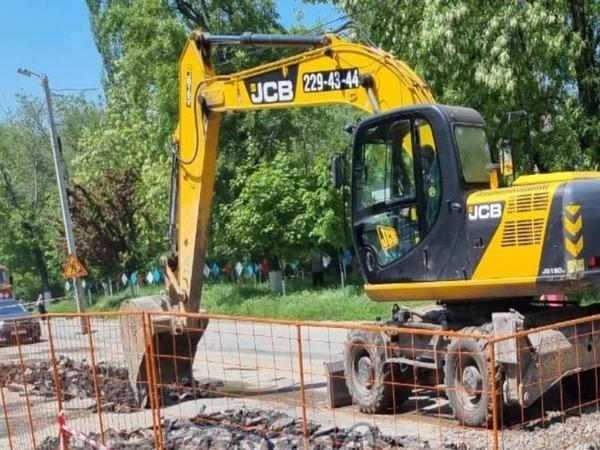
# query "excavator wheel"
(467, 376)
(376, 387)
(171, 355)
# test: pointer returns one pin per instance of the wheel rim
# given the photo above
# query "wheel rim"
(469, 383)
(363, 371)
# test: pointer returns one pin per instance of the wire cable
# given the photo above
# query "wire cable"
(197, 131)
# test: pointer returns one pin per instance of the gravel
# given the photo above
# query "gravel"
(256, 429)
(76, 381)
(571, 433)
(251, 429)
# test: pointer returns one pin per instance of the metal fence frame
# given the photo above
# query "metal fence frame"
(298, 336)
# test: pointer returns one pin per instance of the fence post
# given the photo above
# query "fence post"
(153, 394)
(96, 380)
(63, 438)
(495, 407)
(5, 411)
(57, 384)
(302, 384)
(22, 365)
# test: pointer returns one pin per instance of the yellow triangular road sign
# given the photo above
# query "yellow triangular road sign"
(74, 268)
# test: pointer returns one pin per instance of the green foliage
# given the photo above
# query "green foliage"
(141, 113)
(286, 204)
(300, 303)
(501, 56)
(266, 218)
(32, 238)
(26, 198)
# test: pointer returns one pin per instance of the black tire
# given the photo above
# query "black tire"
(467, 376)
(375, 386)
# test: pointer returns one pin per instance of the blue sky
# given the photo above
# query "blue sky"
(53, 36)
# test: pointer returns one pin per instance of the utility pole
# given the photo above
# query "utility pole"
(62, 190)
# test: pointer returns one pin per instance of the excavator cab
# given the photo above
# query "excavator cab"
(430, 222)
(412, 171)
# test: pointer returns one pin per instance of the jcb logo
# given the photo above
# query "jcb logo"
(485, 211)
(272, 92)
(276, 86)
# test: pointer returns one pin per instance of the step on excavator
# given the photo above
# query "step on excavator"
(429, 222)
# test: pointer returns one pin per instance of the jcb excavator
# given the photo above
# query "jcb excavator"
(429, 221)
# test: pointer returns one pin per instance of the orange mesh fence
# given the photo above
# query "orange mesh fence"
(258, 383)
(21, 404)
(83, 375)
(268, 381)
(556, 380)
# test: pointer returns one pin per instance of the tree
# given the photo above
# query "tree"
(284, 211)
(141, 112)
(499, 56)
(27, 190)
(32, 241)
(103, 217)
(267, 219)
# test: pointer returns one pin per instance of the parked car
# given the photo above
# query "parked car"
(17, 324)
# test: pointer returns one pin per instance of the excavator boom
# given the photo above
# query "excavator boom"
(332, 71)
(335, 72)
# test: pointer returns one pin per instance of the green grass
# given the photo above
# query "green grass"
(102, 302)
(302, 301)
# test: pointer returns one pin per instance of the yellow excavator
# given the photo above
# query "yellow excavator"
(429, 221)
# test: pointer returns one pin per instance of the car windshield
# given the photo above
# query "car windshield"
(8, 308)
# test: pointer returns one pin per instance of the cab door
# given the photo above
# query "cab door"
(396, 197)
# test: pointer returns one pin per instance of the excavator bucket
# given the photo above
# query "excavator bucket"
(166, 348)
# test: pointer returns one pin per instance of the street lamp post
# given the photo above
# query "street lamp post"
(62, 190)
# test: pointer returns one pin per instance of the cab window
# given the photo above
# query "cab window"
(387, 170)
(431, 183)
(473, 153)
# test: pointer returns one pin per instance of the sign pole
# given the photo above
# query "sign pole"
(64, 202)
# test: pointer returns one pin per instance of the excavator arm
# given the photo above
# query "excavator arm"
(331, 71)
(335, 71)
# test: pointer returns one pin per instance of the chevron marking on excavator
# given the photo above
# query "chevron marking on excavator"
(573, 223)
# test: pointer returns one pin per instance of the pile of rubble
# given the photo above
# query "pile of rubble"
(76, 381)
(251, 429)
